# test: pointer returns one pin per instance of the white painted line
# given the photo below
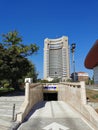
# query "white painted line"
(55, 126)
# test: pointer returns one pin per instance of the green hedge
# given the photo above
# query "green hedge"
(4, 90)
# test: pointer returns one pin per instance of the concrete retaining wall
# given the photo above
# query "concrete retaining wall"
(72, 93)
(33, 94)
(75, 95)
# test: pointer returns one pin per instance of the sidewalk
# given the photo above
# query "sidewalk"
(6, 110)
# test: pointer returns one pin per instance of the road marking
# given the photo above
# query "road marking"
(55, 126)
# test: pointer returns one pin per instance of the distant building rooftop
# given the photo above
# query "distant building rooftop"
(82, 74)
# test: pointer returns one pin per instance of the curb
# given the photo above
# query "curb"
(14, 126)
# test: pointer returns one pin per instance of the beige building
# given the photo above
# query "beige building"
(56, 58)
(82, 76)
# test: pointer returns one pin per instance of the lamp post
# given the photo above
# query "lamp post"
(73, 46)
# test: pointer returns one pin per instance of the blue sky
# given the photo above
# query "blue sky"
(36, 20)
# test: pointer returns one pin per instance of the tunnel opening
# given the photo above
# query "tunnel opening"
(50, 96)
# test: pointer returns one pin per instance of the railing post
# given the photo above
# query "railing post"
(13, 114)
(83, 92)
(27, 91)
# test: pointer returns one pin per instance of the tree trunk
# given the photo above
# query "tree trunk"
(15, 84)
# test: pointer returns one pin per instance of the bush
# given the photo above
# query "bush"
(6, 85)
(6, 90)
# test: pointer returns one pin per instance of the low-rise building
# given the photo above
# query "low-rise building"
(80, 76)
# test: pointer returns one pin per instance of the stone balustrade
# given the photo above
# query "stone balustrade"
(33, 94)
(75, 95)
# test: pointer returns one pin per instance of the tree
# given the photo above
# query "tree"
(33, 73)
(13, 57)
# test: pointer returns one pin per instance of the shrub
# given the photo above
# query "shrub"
(6, 85)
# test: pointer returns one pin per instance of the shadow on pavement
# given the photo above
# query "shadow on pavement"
(36, 106)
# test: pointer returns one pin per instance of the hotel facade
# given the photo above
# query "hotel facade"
(56, 59)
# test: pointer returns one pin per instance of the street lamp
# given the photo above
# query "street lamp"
(73, 46)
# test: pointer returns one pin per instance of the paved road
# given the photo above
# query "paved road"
(54, 115)
(6, 106)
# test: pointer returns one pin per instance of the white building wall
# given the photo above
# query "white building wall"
(46, 63)
(95, 69)
(55, 63)
(56, 58)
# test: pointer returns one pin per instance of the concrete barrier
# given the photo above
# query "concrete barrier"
(72, 93)
(75, 95)
(33, 94)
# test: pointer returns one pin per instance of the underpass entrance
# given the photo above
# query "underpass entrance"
(50, 96)
(50, 92)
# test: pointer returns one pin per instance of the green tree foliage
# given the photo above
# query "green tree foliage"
(32, 73)
(13, 57)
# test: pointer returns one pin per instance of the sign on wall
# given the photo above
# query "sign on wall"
(50, 88)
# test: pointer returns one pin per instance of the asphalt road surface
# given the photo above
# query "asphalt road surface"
(54, 115)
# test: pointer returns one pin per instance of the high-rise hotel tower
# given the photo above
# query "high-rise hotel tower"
(56, 58)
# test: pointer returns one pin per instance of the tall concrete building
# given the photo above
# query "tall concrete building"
(56, 58)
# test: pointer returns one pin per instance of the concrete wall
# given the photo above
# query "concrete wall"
(72, 93)
(75, 95)
(33, 94)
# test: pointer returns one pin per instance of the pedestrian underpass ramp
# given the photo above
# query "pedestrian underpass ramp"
(54, 115)
(70, 93)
